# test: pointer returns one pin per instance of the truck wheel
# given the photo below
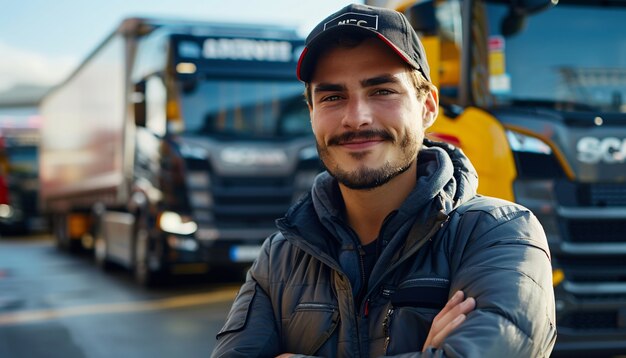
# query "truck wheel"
(144, 275)
(59, 229)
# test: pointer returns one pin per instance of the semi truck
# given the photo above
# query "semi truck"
(175, 145)
(534, 93)
(19, 182)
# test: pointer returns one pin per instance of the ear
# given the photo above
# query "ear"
(431, 108)
(311, 123)
(310, 111)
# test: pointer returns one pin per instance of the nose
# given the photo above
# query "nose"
(358, 113)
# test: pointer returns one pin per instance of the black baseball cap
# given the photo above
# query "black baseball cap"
(388, 25)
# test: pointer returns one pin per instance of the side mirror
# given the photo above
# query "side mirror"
(515, 20)
(189, 85)
(422, 17)
(528, 7)
(512, 23)
(139, 103)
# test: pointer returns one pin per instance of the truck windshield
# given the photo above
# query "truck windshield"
(23, 160)
(570, 56)
(254, 109)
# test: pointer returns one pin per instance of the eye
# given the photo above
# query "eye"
(331, 98)
(383, 92)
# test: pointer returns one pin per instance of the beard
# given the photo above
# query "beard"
(368, 178)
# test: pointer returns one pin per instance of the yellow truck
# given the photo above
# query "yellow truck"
(534, 92)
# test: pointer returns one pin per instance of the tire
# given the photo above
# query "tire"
(59, 229)
(143, 274)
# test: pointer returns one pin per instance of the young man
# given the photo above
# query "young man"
(392, 253)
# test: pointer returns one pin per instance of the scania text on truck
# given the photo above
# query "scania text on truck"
(175, 145)
(534, 92)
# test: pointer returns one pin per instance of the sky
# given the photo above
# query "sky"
(42, 41)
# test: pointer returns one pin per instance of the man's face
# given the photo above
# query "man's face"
(366, 116)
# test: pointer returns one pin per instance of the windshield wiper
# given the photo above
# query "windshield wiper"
(565, 106)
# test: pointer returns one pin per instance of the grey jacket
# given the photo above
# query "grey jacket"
(299, 294)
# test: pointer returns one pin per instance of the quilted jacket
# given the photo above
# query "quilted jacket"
(299, 295)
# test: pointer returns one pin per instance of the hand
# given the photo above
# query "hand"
(450, 317)
(285, 355)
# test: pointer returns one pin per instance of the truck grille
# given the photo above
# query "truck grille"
(596, 231)
(578, 195)
(574, 194)
(589, 268)
(590, 320)
(594, 312)
(250, 202)
(603, 195)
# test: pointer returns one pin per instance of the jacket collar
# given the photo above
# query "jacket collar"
(445, 180)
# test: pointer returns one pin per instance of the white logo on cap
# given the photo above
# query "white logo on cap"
(353, 18)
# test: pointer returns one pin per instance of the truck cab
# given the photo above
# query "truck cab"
(176, 144)
(534, 93)
(19, 184)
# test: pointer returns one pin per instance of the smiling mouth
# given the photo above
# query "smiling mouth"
(361, 144)
(360, 139)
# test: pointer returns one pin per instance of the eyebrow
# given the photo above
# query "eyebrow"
(368, 82)
(329, 87)
(379, 80)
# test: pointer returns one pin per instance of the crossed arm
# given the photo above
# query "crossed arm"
(450, 317)
(504, 265)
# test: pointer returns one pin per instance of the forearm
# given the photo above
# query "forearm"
(250, 328)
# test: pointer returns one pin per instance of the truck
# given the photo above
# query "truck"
(175, 145)
(19, 182)
(534, 93)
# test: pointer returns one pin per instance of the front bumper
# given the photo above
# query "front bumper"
(591, 319)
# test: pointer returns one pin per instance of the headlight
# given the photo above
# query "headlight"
(534, 158)
(522, 143)
(5, 211)
(174, 223)
(193, 152)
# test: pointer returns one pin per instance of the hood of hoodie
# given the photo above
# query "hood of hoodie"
(445, 180)
(442, 171)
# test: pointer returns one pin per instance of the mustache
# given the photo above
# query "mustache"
(364, 134)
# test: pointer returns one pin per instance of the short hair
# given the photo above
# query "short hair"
(351, 40)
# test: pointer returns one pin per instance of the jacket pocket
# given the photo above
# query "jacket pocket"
(413, 306)
(310, 326)
(238, 315)
(427, 292)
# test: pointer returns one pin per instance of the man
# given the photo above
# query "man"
(392, 253)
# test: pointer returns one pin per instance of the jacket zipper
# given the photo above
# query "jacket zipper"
(365, 302)
(362, 262)
(316, 307)
(433, 281)
(387, 329)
